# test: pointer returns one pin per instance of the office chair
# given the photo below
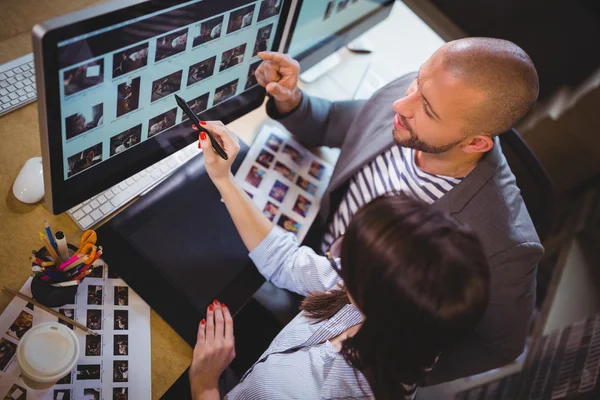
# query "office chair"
(536, 187)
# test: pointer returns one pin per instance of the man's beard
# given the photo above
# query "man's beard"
(413, 142)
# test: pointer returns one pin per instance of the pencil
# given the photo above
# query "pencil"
(51, 311)
(50, 249)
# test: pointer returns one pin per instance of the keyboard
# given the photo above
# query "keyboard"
(17, 84)
(97, 208)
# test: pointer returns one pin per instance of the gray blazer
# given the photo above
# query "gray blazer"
(488, 200)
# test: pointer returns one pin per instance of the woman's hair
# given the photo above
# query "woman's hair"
(421, 280)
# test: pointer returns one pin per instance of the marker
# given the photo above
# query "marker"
(61, 242)
(194, 118)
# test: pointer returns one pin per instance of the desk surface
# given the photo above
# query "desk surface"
(20, 141)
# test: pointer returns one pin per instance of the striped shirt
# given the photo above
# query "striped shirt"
(392, 171)
(301, 362)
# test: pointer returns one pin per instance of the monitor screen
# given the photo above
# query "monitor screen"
(321, 27)
(114, 109)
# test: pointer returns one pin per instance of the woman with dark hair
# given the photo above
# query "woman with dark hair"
(404, 284)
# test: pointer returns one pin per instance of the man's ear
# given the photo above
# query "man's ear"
(477, 144)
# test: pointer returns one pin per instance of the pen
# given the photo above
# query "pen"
(50, 235)
(51, 311)
(49, 247)
(194, 118)
(61, 242)
(67, 264)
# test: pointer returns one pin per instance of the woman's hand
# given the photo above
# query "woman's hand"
(278, 74)
(214, 351)
(217, 168)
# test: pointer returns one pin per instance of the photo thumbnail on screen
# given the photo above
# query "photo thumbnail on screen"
(224, 92)
(171, 44)
(262, 39)
(83, 77)
(197, 105)
(124, 140)
(251, 78)
(209, 30)
(201, 70)
(84, 120)
(84, 159)
(162, 122)
(131, 59)
(166, 85)
(241, 18)
(268, 9)
(128, 96)
(232, 57)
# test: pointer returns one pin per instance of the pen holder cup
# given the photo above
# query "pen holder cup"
(47, 294)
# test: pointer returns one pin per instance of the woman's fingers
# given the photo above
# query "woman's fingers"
(228, 323)
(201, 337)
(219, 323)
(210, 326)
(221, 133)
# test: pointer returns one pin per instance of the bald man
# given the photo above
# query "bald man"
(433, 135)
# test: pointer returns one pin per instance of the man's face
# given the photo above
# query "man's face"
(432, 116)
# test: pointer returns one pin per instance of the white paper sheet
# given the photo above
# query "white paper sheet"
(114, 365)
(284, 179)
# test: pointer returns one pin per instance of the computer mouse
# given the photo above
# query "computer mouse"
(29, 185)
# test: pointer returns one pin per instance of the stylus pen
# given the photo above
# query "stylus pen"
(194, 118)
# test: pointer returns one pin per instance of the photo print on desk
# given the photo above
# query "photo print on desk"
(284, 170)
(170, 45)
(241, 18)
(121, 295)
(88, 372)
(201, 70)
(65, 380)
(270, 211)
(166, 85)
(94, 295)
(67, 312)
(255, 176)
(85, 120)
(120, 370)
(120, 393)
(224, 92)
(7, 351)
(94, 319)
(268, 9)
(16, 392)
(92, 393)
(232, 57)
(302, 205)
(128, 96)
(294, 153)
(251, 78)
(83, 77)
(61, 394)
(97, 272)
(265, 158)
(93, 345)
(162, 122)
(121, 345)
(278, 191)
(316, 170)
(209, 30)
(22, 324)
(84, 159)
(273, 142)
(307, 185)
(121, 320)
(288, 224)
(197, 105)
(128, 60)
(123, 141)
(262, 39)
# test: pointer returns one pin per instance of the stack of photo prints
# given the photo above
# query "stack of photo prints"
(110, 365)
(284, 179)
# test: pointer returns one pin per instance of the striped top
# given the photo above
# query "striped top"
(392, 171)
(301, 362)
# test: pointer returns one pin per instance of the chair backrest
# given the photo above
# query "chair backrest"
(536, 187)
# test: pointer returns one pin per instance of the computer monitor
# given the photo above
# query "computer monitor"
(319, 28)
(106, 78)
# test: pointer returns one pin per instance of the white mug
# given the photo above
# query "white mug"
(46, 353)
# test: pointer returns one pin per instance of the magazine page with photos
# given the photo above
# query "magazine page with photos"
(110, 365)
(284, 179)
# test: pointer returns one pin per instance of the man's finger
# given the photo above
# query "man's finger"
(278, 91)
(279, 58)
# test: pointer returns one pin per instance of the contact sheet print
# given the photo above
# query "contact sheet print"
(114, 365)
(284, 179)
